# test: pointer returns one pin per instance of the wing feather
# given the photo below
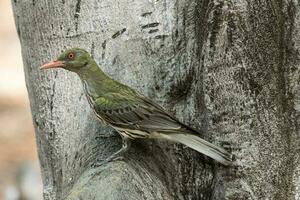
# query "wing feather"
(135, 113)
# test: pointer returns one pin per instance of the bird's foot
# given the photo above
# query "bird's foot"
(101, 162)
(117, 156)
(98, 163)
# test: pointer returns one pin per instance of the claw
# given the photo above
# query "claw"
(119, 155)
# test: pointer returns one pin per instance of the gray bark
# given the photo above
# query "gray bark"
(227, 68)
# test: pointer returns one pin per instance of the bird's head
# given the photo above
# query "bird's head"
(72, 59)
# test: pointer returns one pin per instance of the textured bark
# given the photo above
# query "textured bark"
(227, 68)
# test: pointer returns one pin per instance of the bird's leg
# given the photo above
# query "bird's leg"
(119, 154)
(126, 143)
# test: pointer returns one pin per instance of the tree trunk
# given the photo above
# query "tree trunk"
(227, 68)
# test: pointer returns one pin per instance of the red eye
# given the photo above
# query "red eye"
(71, 56)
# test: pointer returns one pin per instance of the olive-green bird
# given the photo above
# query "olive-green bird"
(130, 113)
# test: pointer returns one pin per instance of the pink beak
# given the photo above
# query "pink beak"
(53, 64)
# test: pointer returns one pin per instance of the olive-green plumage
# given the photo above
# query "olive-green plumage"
(130, 113)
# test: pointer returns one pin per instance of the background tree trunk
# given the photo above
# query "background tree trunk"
(227, 68)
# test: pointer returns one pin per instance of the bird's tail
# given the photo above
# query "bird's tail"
(200, 145)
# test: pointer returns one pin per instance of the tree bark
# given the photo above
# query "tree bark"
(229, 69)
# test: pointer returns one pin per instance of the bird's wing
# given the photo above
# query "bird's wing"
(134, 113)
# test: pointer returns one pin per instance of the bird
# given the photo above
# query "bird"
(130, 113)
